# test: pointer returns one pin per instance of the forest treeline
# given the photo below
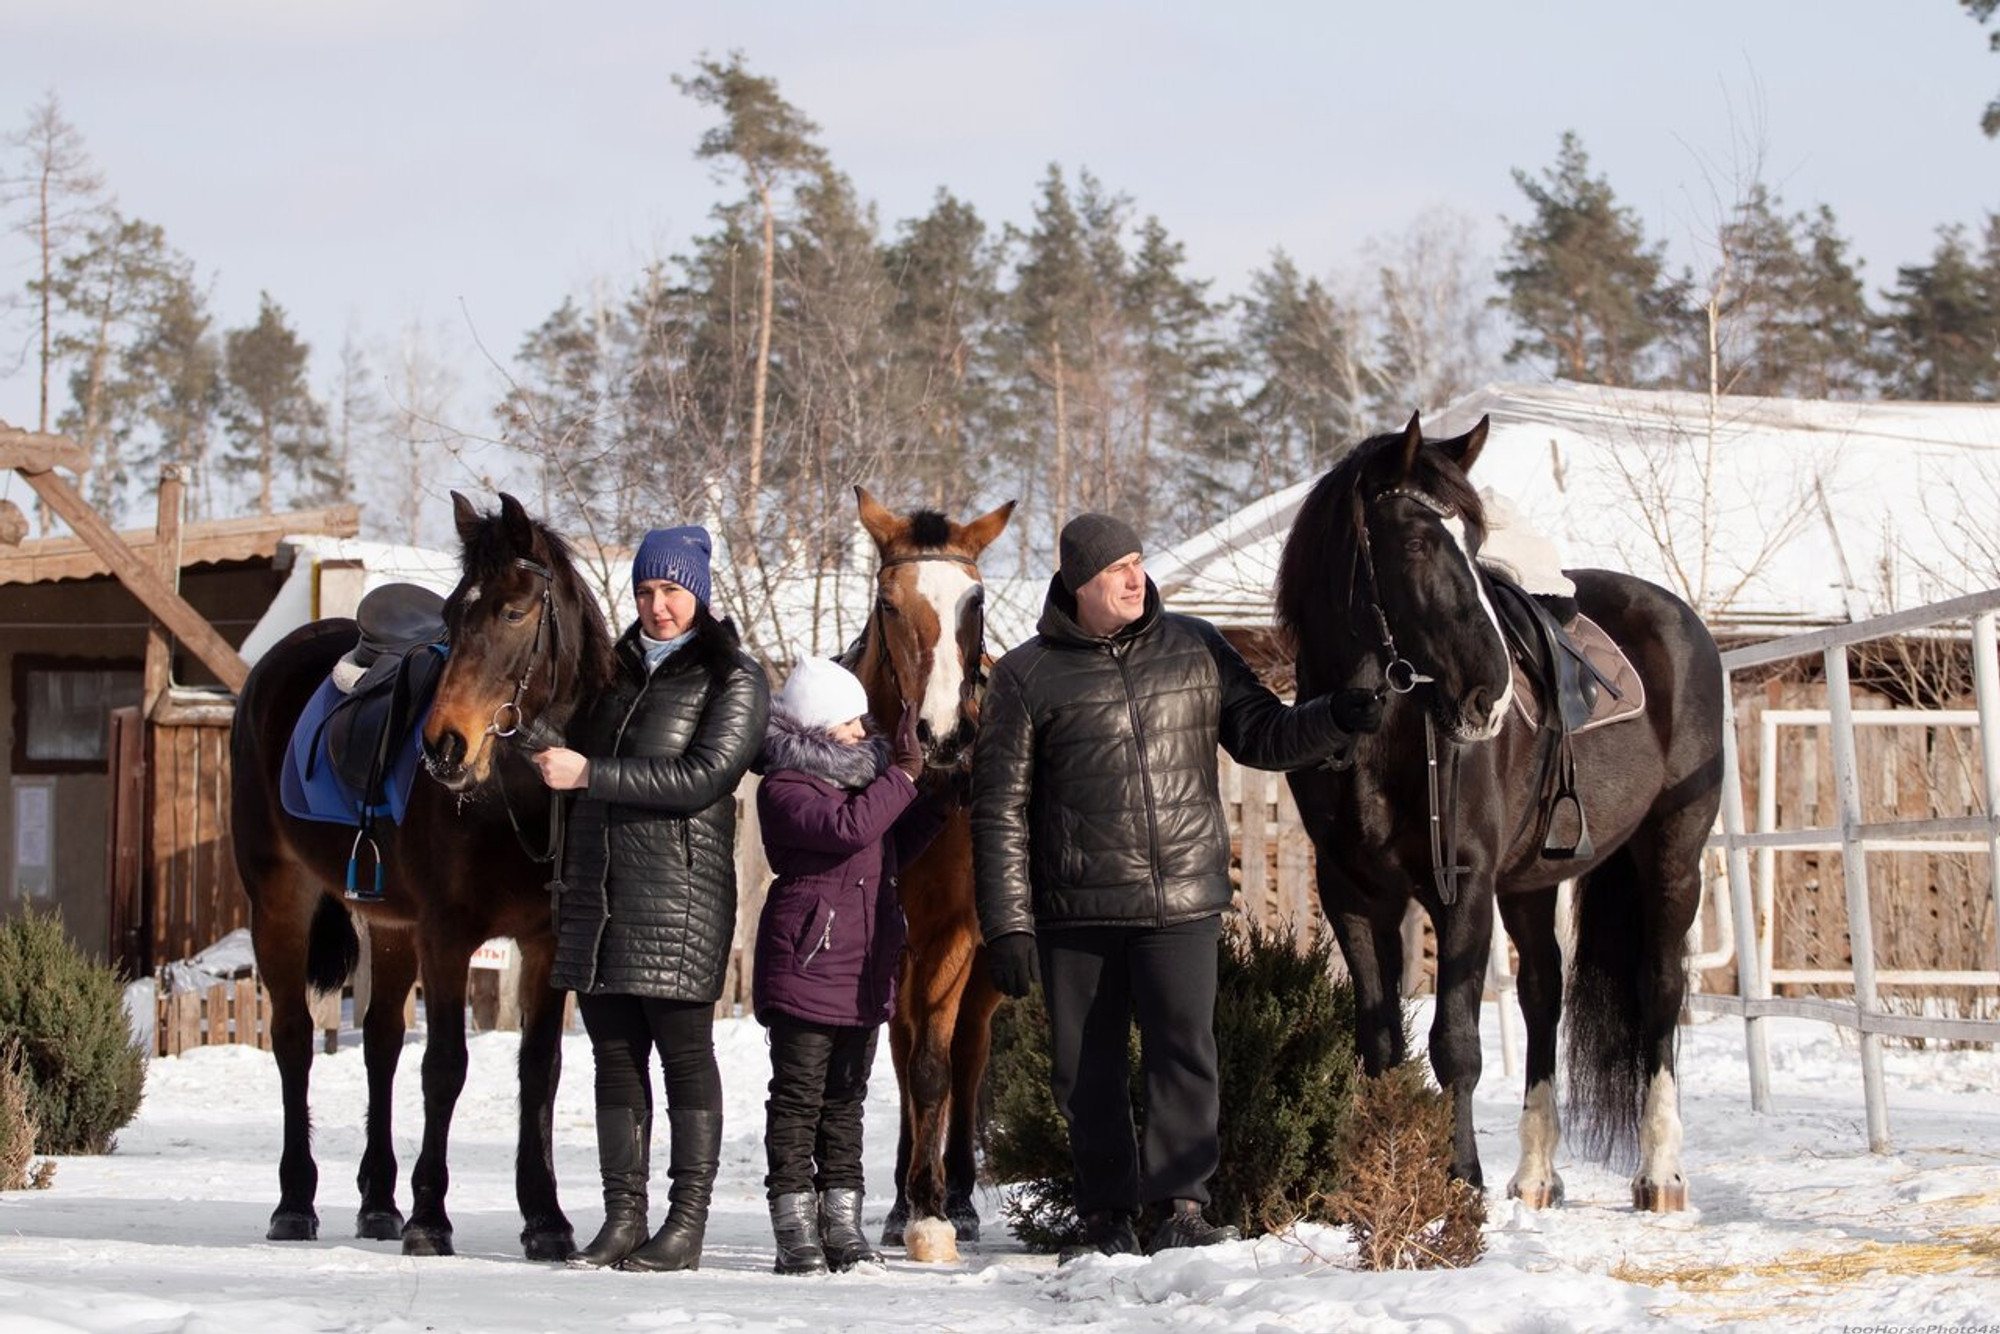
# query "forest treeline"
(799, 345)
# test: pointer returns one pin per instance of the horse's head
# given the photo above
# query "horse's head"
(527, 640)
(1394, 532)
(927, 634)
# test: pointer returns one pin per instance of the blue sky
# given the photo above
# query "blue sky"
(469, 164)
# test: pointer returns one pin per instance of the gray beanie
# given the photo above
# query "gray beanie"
(1090, 543)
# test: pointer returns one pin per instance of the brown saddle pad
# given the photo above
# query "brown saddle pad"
(1609, 660)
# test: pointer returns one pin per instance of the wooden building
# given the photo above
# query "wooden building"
(120, 826)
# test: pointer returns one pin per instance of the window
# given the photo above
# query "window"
(62, 711)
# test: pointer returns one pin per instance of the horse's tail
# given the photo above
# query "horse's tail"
(1607, 1064)
(333, 951)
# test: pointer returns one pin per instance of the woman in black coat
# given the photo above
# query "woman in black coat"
(648, 907)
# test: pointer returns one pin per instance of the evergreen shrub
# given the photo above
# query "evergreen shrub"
(1285, 1040)
(84, 1073)
(1399, 1201)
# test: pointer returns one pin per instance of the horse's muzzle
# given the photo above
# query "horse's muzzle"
(445, 760)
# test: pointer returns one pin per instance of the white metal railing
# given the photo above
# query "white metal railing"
(1853, 838)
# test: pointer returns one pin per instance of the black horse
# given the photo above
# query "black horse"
(528, 644)
(1380, 587)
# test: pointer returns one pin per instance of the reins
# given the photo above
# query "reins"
(516, 719)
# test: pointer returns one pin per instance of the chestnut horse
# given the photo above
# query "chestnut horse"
(527, 643)
(1381, 587)
(925, 643)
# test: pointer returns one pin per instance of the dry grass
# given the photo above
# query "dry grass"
(18, 1170)
(1960, 1249)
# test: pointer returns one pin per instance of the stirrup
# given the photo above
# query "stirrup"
(354, 892)
(1582, 848)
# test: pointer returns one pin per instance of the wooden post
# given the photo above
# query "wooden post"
(167, 564)
(34, 456)
(246, 1012)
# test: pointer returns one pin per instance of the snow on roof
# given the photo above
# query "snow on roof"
(1815, 512)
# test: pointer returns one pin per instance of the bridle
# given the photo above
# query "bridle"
(973, 675)
(516, 724)
(1401, 676)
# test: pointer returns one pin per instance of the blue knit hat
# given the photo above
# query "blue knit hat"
(679, 554)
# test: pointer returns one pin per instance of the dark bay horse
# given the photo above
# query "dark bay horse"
(925, 643)
(1379, 587)
(527, 644)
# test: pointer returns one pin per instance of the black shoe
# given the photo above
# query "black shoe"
(624, 1137)
(692, 1160)
(840, 1231)
(795, 1223)
(1184, 1226)
(1105, 1232)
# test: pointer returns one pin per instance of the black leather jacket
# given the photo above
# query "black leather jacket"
(1094, 792)
(649, 862)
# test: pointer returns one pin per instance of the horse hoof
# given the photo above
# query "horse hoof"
(931, 1241)
(427, 1240)
(293, 1225)
(964, 1218)
(548, 1243)
(892, 1226)
(379, 1224)
(1660, 1197)
(1545, 1195)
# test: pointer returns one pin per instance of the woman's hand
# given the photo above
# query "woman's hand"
(562, 769)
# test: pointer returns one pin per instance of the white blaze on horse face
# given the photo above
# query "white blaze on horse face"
(1455, 525)
(947, 587)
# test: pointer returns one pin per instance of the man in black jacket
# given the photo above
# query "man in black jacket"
(1101, 852)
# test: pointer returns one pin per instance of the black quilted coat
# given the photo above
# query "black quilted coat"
(1094, 792)
(649, 863)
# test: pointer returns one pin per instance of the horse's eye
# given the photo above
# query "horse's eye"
(515, 615)
(1414, 545)
(888, 608)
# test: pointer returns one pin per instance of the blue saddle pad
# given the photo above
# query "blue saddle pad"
(310, 788)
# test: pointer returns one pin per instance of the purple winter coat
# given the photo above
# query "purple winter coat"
(838, 823)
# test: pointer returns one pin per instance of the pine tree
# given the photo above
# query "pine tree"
(53, 173)
(175, 367)
(1944, 321)
(1982, 12)
(273, 420)
(1588, 292)
(1180, 363)
(771, 143)
(1305, 362)
(943, 275)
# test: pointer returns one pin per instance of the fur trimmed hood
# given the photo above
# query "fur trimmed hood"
(792, 745)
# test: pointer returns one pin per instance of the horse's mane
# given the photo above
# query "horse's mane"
(584, 647)
(1319, 570)
(929, 529)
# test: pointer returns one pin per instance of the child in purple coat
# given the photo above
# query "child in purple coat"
(840, 815)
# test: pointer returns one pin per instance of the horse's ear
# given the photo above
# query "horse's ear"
(464, 516)
(1464, 450)
(520, 529)
(880, 523)
(979, 534)
(1413, 441)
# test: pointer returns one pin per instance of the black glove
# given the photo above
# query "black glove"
(905, 752)
(1011, 960)
(1356, 711)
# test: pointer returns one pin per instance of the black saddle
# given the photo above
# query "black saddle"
(402, 626)
(1568, 685)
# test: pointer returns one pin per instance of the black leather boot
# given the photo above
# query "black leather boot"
(840, 1230)
(624, 1137)
(795, 1223)
(692, 1160)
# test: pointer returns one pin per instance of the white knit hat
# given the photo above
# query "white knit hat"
(821, 693)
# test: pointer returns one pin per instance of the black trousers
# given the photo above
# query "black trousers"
(1095, 979)
(812, 1123)
(624, 1033)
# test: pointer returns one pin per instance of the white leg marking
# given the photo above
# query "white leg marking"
(1535, 1180)
(1660, 1136)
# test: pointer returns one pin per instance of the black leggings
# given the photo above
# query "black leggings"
(624, 1030)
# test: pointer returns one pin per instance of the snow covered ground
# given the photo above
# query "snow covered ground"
(1796, 1225)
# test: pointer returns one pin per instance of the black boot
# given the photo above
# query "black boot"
(795, 1223)
(692, 1160)
(1184, 1226)
(1105, 1232)
(624, 1138)
(840, 1230)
